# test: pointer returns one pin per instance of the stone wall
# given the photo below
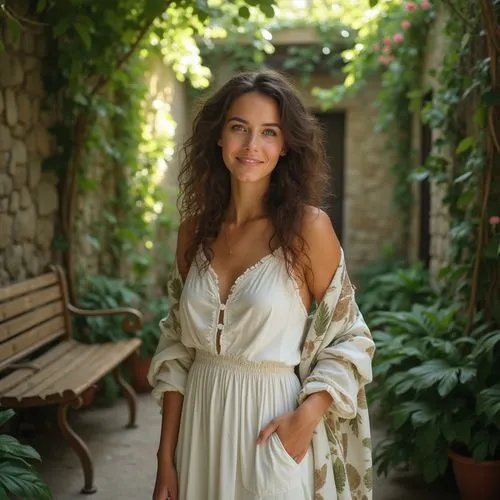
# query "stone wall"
(28, 196)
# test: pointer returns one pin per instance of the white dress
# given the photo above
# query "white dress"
(229, 396)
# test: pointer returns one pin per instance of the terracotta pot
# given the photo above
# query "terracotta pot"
(138, 369)
(476, 480)
(88, 396)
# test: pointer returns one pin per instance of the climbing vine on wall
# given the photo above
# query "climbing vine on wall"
(96, 77)
(390, 44)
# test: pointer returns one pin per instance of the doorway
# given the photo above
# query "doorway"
(333, 124)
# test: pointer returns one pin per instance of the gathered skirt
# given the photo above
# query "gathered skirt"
(227, 402)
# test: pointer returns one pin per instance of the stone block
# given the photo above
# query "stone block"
(47, 198)
(5, 138)
(28, 42)
(44, 233)
(2, 105)
(19, 153)
(31, 144)
(34, 173)
(19, 131)
(4, 205)
(25, 198)
(35, 110)
(5, 230)
(34, 84)
(24, 109)
(25, 225)
(30, 63)
(5, 185)
(20, 177)
(14, 260)
(14, 202)
(12, 72)
(10, 107)
(43, 141)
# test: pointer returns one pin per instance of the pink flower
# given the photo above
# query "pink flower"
(387, 49)
(424, 4)
(405, 24)
(494, 220)
(387, 41)
(398, 37)
(410, 6)
(385, 59)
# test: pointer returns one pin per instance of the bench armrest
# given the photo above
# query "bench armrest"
(131, 323)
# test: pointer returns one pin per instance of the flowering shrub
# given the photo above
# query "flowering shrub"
(390, 43)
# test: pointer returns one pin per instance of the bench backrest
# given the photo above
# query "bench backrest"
(32, 314)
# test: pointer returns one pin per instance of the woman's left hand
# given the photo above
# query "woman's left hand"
(295, 430)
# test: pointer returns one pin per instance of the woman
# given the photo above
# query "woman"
(253, 254)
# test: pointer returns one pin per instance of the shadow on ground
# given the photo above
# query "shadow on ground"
(124, 459)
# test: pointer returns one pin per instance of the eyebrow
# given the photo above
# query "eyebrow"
(241, 120)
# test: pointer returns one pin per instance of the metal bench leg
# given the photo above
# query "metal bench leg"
(78, 446)
(130, 396)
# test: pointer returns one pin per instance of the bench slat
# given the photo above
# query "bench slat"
(62, 367)
(33, 338)
(75, 377)
(17, 325)
(19, 375)
(12, 291)
(23, 304)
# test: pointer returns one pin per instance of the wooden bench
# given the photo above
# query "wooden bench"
(41, 364)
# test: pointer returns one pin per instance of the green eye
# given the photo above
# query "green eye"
(269, 132)
(238, 128)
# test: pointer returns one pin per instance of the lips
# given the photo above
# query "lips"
(248, 161)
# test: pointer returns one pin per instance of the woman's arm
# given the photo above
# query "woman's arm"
(171, 418)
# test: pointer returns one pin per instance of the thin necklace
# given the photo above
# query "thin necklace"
(228, 246)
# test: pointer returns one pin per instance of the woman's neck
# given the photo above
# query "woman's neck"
(246, 203)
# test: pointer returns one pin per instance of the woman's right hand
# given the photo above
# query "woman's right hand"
(166, 486)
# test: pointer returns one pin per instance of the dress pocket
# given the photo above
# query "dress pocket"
(271, 469)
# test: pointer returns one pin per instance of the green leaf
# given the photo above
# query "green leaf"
(267, 10)
(322, 319)
(40, 6)
(6, 415)
(372, 3)
(244, 12)
(339, 475)
(11, 447)
(23, 482)
(83, 26)
(466, 144)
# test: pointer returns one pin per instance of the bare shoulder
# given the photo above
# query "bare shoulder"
(184, 236)
(323, 249)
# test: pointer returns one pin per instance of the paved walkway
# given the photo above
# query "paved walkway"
(124, 460)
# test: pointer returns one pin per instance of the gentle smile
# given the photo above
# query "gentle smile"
(248, 161)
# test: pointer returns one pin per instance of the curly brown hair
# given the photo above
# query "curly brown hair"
(298, 180)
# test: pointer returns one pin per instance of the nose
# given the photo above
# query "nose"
(251, 143)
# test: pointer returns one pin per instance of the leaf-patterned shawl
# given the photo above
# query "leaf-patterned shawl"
(336, 356)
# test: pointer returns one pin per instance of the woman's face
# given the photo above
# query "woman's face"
(251, 139)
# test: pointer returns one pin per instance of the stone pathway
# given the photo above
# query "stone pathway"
(124, 459)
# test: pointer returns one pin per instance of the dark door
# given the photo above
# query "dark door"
(334, 127)
(425, 196)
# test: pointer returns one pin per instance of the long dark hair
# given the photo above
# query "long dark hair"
(298, 180)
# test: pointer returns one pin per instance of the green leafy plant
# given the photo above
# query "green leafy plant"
(394, 291)
(17, 476)
(155, 309)
(438, 386)
(103, 292)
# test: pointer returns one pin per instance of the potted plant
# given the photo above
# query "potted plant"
(17, 476)
(156, 308)
(440, 389)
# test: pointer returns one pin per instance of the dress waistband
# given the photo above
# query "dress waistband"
(240, 363)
